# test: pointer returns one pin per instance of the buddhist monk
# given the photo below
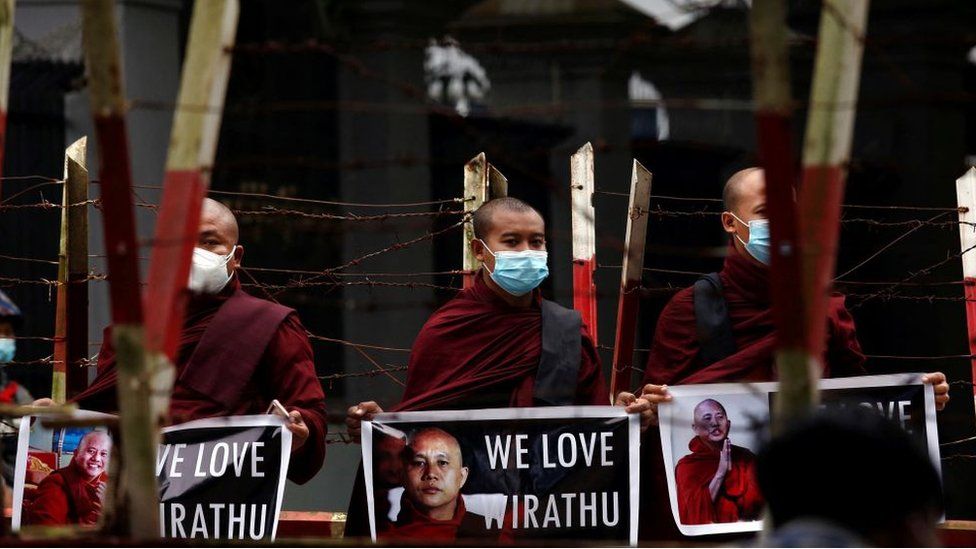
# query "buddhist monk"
(499, 343)
(716, 482)
(721, 330)
(237, 352)
(431, 508)
(73, 494)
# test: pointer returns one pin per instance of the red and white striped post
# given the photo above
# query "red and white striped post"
(138, 493)
(628, 304)
(193, 146)
(826, 153)
(6, 54)
(773, 111)
(966, 200)
(584, 236)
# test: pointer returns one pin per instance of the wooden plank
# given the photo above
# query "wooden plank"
(71, 320)
(774, 111)
(628, 303)
(497, 183)
(966, 200)
(584, 236)
(826, 152)
(475, 194)
(137, 496)
(6, 54)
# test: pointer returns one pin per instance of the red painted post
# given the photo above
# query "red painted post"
(628, 304)
(966, 199)
(139, 496)
(193, 145)
(584, 236)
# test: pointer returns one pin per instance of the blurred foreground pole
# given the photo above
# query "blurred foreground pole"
(826, 153)
(138, 496)
(192, 148)
(966, 200)
(774, 112)
(628, 303)
(6, 53)
(71, 321)
(584, 236)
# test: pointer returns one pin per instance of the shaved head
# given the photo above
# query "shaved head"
(734, 187)
(708, 404)
(483, 219)
(220, 216)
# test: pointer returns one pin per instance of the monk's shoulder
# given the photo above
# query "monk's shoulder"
(681, 303)
(743, 453)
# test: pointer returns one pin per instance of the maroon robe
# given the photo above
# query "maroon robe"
(674, 360)
(66, 497)
(738, 498)
(285, 371)
(478, 351)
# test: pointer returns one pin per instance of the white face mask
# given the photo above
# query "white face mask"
(208, 271)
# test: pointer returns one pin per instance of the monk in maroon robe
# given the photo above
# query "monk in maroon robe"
(236, 353)
(73, 494)
(483, 348)
(677, 356)
(716, 482)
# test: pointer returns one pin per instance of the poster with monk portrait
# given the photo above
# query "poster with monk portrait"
(711, 434)
(505, 476)
(61, 473)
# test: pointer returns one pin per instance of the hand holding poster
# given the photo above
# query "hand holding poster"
(507, 475)
(223, 478)
(711, 433)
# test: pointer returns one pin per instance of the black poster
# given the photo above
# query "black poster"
(223, 478)
(505, 475)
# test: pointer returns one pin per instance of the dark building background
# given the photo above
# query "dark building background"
(329, 101)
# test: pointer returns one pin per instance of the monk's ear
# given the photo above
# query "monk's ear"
(728, 223)
(464, 476)
(478, 249)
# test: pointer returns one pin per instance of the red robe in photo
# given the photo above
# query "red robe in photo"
(217, 386)
(66, 497)
(739, 497)
(673, 360)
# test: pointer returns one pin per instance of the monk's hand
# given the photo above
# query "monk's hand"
(43, 402)
(655, 394)
(299, 431)
(356, 415)
(634, 405)
(941, 387)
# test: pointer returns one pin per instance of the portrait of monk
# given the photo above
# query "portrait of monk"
(73, 494)
(431, 507)
(716, 482)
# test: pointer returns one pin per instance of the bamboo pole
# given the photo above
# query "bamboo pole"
(139, 429)
(193, 146)
(71, 321)
(475, 194)
(628, 303)
(826, 152)
(6, 54)
(584, 236)
(774, 111)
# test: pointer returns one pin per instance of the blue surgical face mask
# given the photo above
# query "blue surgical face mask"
(518, 273)
(758, 245)
(8, 348)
